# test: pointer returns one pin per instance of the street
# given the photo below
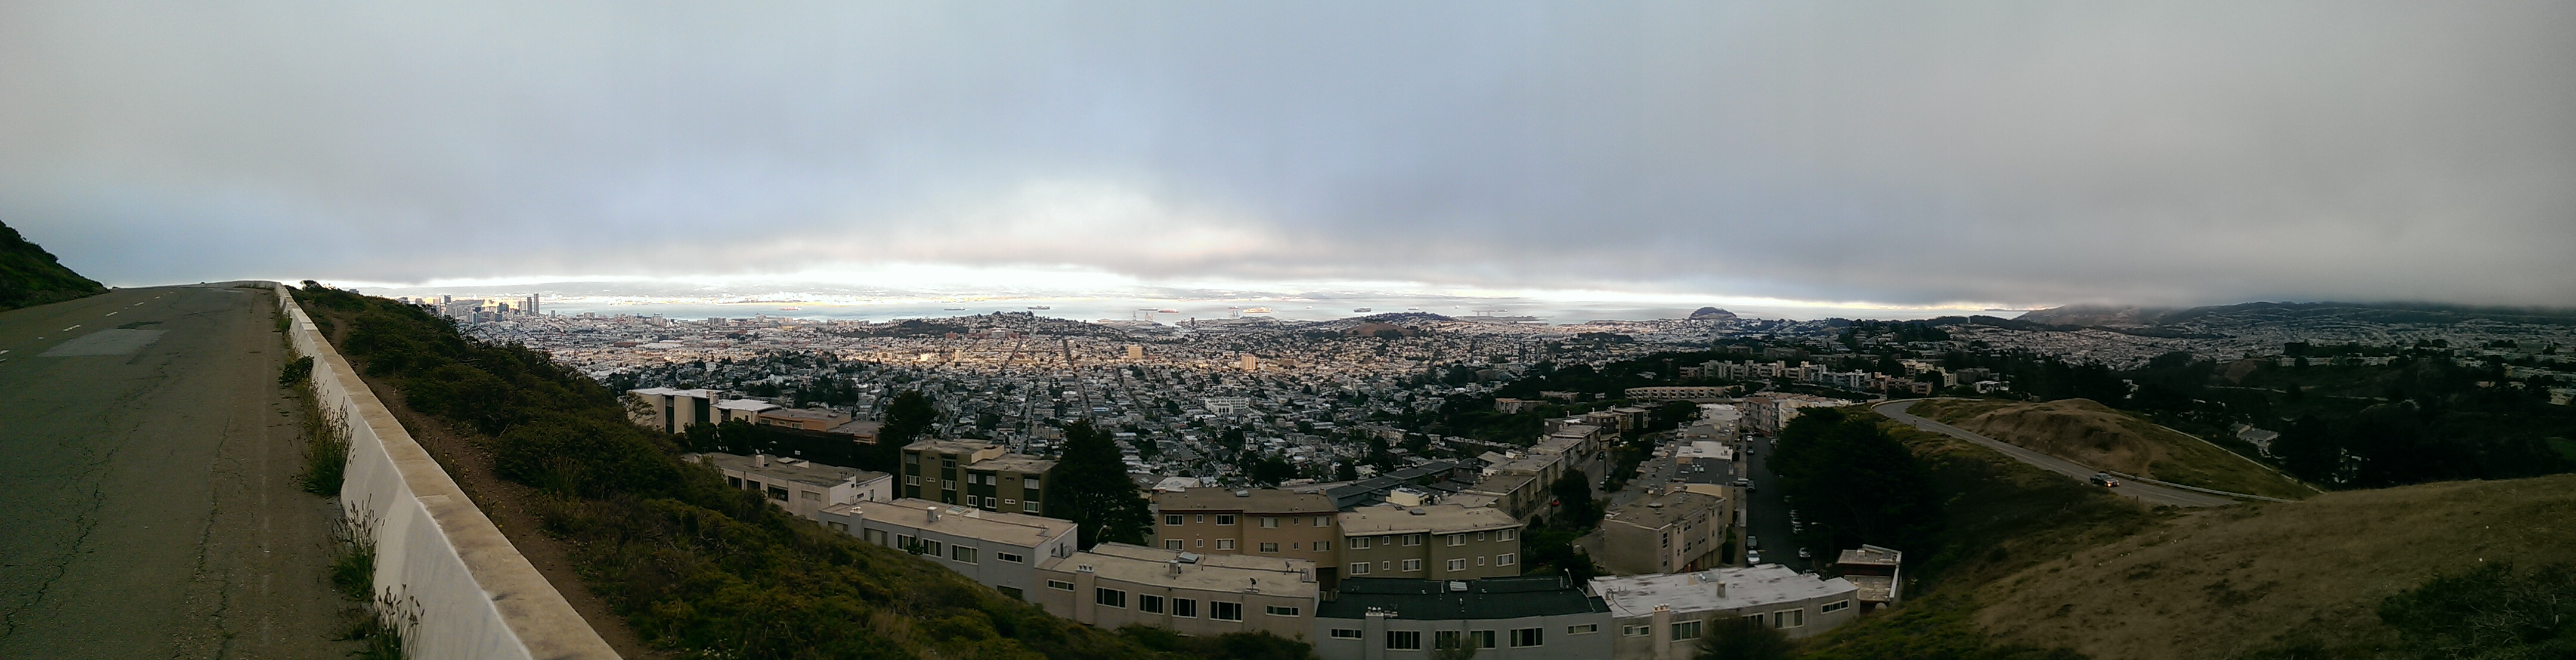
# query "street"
(2148, 493)
(148, 502)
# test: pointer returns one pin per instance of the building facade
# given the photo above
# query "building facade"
(1665, 532)
(998, 550)
(1438, 542)
(1266, 521)
(1540, 617)
(1662, 617)
(1115, 584)
(977, 474)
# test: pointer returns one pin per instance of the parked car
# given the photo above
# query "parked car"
(1803, 554)
(2105, 480)
(1751, 541)
(1752, 557)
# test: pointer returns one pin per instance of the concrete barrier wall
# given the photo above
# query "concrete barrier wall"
(450, 579)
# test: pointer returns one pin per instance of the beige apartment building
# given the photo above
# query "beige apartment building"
(1264, 521)
(1115, 584)
(974, 473)
(1668, 532)
(1436, 542)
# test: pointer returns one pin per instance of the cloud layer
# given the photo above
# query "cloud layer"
(1894, 152)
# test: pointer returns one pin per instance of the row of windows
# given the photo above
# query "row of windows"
(1461, 538)
(958, 553)
(1687, 630)
(1412, 565)
(1411, 640)
(1228, 544)
(1228, 519)
(1186, 608)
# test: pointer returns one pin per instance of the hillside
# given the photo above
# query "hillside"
(2090, 433)
(2226, 582)
(30, 276)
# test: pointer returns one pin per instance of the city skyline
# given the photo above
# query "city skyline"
(1861, 155)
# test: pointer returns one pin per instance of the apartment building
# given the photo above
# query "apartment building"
(1538, 617)
(1665, 532)
(1440, 542)
(803, 487)
(670, 410)
(1877, 571)
(975, 473)
(802, 418)
(1261, 521)
(1115, 584)
(1662, 617)
(996, 549)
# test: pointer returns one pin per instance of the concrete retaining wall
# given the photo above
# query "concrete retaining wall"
(456, 585)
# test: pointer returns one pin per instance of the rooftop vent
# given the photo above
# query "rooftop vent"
(1188, 558)
(1242, 493)
(1457, 586)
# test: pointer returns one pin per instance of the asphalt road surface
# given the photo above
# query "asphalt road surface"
(2149, 493)
(148, 504)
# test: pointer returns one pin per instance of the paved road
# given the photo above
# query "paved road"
(147, 499)
(2149, 493)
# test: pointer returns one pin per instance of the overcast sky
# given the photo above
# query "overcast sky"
(1902, 153)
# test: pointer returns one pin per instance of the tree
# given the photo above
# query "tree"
(1577, 509)
(906, 419)
(1271, 470)
(1742, 638)
(1855, 483)
(1090, 487)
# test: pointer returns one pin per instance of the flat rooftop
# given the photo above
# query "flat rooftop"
(1021, 530)
(1691, 593)
(1436, 518)
(790, 469)
(1671, 507)
(1257, 500)
(950, 446)
(1013, 463)
(1489, 598)
(1277, 576)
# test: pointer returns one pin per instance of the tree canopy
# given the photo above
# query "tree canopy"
(1090, 487)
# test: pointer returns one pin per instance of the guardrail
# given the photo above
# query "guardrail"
(461, 589)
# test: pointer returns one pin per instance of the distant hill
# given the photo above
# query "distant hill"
(1712, 313)
(30, 276)
(2093, 434)
(2151, 317)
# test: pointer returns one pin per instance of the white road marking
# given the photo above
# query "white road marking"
(75, 326)
(111, 313)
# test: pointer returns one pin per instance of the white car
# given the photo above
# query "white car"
(1752, 557)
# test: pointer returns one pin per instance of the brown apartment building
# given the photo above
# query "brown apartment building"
(977, 474)
(1436, 542)
(1266, 522)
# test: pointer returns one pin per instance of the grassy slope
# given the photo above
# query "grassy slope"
(2000, 517)
(30, 276)
(2111, 438)
(2223, 582)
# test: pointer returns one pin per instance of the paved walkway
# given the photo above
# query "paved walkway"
(2149, 493)
(148, 507)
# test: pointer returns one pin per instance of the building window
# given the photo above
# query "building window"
(1506, 559)
(1149, 604)
(1412, 565)
(1323, 546)
(1457, 565)
(974, 500)
(1526, 637)
(1174, 544)
(1009, 502)
(779, 494)
(1636, 631)
(1444, 640)
(1685, 630)
(911, 459)
(911, 480)
(1585, 629)
(1225, 544)
(1835, 606)
(1185, 608)
(1789, 618)
(1009, 557)
(1059, 585)
(1225, 519)
(1504, 535)
(1270, 522)
(1030, 506)
(1269, 547)
(1275, 610)
(948, 484)
(1359, 543)
(1480, 536)
(1199, 518)
(961, 553)
(1345, 633)
(1225, 611)
(1359, 568)
(1106, 597)
(1404, 640)
(1030, 482)
(1323, 521)
(1456, 540)
(1173, 519)
(1413, 539)
(876, 536)
(809, 495)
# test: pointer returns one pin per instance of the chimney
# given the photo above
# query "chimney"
(761, 459)
(1175, 566)
(934, 513)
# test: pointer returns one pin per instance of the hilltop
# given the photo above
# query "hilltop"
(2093, 434)
(2255, 577)
(2258, 312)
(30, 276)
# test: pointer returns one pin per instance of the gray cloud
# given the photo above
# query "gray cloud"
(1895, 152)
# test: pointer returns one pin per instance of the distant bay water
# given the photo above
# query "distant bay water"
(1173, 311)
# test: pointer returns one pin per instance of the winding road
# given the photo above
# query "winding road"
(2149, 493)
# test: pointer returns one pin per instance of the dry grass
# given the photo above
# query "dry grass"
(2227, 581)
(2090, 433)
